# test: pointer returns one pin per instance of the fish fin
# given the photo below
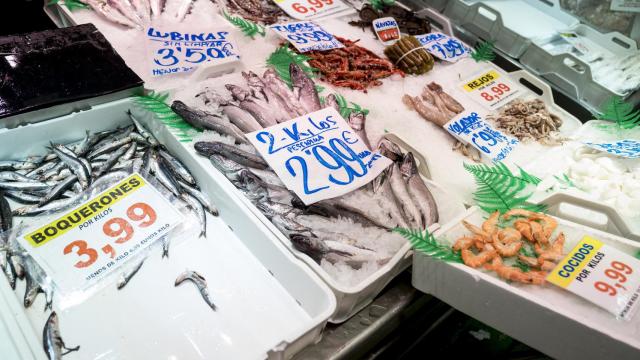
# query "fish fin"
(70, 349)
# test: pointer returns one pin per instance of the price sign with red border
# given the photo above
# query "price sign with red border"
(81, 247)
(601, 274)
(310, 9)
(491, 89)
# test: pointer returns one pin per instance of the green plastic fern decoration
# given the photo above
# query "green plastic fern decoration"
(70, 4)
(346, 110)
(499, 189)
(483, 52)
(426, 243)
(381, 4)
(620, 112)
(283, 57)
(564, 181)
(248, 27)
(156, 104)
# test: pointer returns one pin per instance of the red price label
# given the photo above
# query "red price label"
(495, 92)
(307, 9)
(491, 89)
(615, 272)
(139, 212)
(304, 7)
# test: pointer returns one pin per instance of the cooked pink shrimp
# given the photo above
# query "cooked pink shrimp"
(514, 274)
(553, 252)
(524, 227)
(531, 261)
(506, 247)
(491, 224)
(477, 231)
(464, 242)
(549, 224)
(538, 232)
(518, 212)
(474, 261)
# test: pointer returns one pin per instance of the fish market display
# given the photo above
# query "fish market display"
(409, 55)
(610, 179)
(260, 11)
(138, 13)
(599, 14)
(529, 120)
(407, 21)
(353, 66)
(438, 107)
(523, 251)
(200, 282)
(52, 341)
(51, 67)
(349, 236)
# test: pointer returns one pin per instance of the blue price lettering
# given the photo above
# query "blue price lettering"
(169, 55)
(191, 55)
(487, 138)
(305, 174)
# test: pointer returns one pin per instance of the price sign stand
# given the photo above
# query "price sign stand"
(307, 36)
(310, 9)
(443, 46)
(491, 89)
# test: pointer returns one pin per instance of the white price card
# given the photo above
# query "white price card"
(625, 5)
(307, 36)
(443, 47)
(627, 148)
(309, 9)
(318, 156)
(601, 274)
(386, 30)
(81, 247)
(491, 89)
(181, 51)
(470, 127)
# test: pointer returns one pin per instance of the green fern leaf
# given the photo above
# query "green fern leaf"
(346, 109)
(381, 4)
(564, 181)
(483, 52)
(248, 28)
(70, 4)
(427, 244)
(283, 57)
(620, 112)
(156, 104)
(499, 189)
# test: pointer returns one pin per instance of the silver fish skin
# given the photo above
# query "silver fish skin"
(131, 150)
(313, 247)
(18, 265)
(230, 169)
(23, 197)
(201, 197)
(419, 190)
(271, 209)
(125, 8)
(357, 122)
(289, 226)
(331, 101)
(183, 9)
(17, 165)
(6, 217)
(261, 92)
(48, 296)
(256, 85)
(141, 129)
(108, 147)
(281, 89)
(8, 270)
(52, 341)
(58, 190)
(261, 111)
(208, 148)
(54, 206)
(304, 87)
(392, 204)
(200, 282)
(198, 209)
(165, 247)
(125, 277)
(32, 289)
(399, 187)
(15, 176)
(112, 160)
(177, 168)
(268, 177)
(25, 186)
(164, 177)
(241, 118)
(207, 121)
(77, 167)
(41, 169)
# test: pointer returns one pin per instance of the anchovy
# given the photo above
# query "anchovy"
(304, 87)
(58, 190)
(52, 206)
(48, 296)
(82, 171)
(125, 277)
(52, 341)
(108, 147)
(231, 152)
(23, 197)
(112, 160)
(25, 186)
(17, 165)
(198, 209)
(202, 198)
(207, 121)
(14, 176)
(6, 218)
(165, 177)
(8, 270)
(142, 130)
(18, 265)
(176, 167)
(128, 155)
(165, 247)
(32, 289)
(418, 190)
(200, 282)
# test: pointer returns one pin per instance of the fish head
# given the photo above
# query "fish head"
(408, 167)
(208, 148)
(357, 121)
(389, 150)
(237, 92)
(298, 76)
(310, 246)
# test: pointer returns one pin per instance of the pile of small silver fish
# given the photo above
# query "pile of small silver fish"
(399, 196)
(135, 13)
(60, 178)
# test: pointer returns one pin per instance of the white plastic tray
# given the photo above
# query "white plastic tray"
(574, 203)
(554, 321)
(270, 305)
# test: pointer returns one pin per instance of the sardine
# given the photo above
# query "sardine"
(32, 289)
(125, 277)
(357, 122)
(399, 187)
(198, 209)
(304, 88)
(207, 121)
(52, 341)
(418, 190)
(200, 282)
(208, 148)
(6, 218)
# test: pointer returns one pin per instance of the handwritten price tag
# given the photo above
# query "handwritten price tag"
(307, 36)
(177, 52)
(309, 9)
(386, 30)
(443, 46)
(97, 237)
(624, 148)
(318, 156)
(601, 274)
(470, 128)
(491, 89)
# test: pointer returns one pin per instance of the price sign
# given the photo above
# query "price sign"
(491, 89)
(471, 128)
(601, 274)
(624, 148)
(444, 47)
(81, 247)
(309, 9)
(174, 52)
(386, 30)
(318, 156)
(307, 36)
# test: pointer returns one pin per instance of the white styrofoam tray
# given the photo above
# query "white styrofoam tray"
(578, 205)
(547, 318)
(269, 303)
